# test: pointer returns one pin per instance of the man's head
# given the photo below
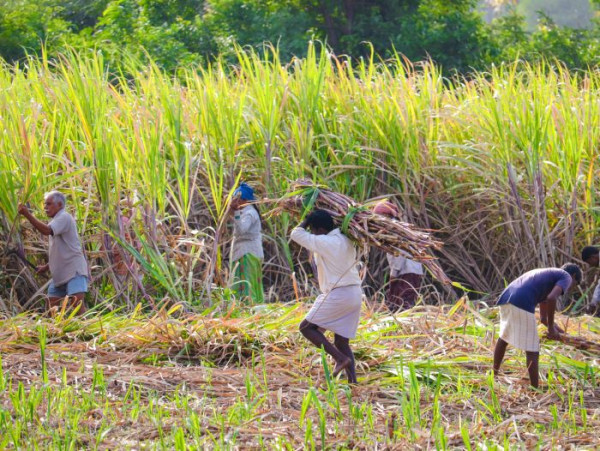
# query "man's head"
(574, 271)
(243, 194)
(591, 255)
(54, 201)
(126, 206)
(386, 208)
(320, 222)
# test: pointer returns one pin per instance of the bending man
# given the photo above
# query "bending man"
(518, 326)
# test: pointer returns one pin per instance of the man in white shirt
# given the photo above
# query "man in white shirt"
(591, 255)
(66, 261)
(338, 307)
(406, 275)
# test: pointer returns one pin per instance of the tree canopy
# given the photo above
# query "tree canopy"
(453, 33)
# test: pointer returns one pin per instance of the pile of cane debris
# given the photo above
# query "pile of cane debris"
(217, 361)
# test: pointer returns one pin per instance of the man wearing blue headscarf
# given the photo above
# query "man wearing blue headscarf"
(246, 250)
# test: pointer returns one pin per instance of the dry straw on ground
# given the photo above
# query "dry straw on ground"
(424, 374)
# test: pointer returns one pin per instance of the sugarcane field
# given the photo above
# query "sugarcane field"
(314, 253)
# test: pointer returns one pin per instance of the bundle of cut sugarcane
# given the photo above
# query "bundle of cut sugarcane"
(365, 227)
(580, 343)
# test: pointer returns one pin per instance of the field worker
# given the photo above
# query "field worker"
(246, 249)
(591, 255)
(406, 275)
(517, 303)
(337, 308)
(122, 264)
(66, 262)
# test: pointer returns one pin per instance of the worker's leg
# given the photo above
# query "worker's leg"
(77, 300)
(55, 295)
(76, 289)
(315, 336)
(499, 352)
(343, 344)
(533, 367)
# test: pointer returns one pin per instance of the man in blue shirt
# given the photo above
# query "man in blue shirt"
(518, 326)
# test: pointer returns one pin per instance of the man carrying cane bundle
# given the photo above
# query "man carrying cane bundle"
(406, 275)
(338, 307)
(66, 261)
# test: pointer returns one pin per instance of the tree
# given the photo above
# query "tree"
(171, 31)
(80, 14)
(452, 33)
(254, 22)
(26, 24)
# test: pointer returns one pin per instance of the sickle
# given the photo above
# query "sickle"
(21, 256)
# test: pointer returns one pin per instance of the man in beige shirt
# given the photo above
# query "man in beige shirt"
(66, 261)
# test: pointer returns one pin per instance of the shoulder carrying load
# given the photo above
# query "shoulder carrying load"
(364, 227)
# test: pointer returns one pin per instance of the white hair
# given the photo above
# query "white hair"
(56, 196)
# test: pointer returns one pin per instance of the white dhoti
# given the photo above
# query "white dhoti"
(518, 328)
(338, 310)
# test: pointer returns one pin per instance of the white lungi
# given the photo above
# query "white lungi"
(338, 310)
(518, 328)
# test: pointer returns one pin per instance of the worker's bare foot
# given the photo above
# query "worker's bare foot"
(340, 366)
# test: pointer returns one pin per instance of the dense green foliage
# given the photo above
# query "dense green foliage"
(174, 32)
(503, 165)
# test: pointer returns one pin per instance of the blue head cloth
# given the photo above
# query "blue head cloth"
(245, 191)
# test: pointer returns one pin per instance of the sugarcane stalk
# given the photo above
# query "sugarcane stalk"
(367, 228)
